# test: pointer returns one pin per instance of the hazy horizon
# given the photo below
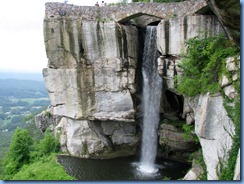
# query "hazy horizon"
(21, 34)
(21, 75)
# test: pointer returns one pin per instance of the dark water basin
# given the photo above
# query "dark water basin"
(120, 169)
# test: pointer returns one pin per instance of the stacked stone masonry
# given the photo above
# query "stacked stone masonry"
(123, 12)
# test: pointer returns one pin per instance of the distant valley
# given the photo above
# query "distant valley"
(20, 97)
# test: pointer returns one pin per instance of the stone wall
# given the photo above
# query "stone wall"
(123, 12)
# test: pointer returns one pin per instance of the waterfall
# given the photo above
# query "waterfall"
(152, 87)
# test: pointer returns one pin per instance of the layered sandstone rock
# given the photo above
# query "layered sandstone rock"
(172, 34)
(91, 79)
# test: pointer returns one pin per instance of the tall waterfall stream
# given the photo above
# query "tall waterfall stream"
(152, 87)
(148, 167)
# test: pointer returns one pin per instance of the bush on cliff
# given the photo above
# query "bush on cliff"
(49, 144)
(204, 64)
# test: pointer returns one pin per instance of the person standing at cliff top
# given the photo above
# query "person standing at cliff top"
(102, 3)
(96, 4)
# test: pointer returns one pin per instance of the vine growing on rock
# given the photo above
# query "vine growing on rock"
(203, 65)
(234, 113)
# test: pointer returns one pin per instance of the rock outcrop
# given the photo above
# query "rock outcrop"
(175, 143)
(93, 74)
(214, 130)
(212, 125)
(173, 33)
(228, 13)
(91, 79)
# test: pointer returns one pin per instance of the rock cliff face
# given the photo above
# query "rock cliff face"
(94, 82)
(228, 12)
(213, 127)
(91, 77)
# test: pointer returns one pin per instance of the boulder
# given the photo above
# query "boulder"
(46, 119)
(175, 145)
(214, 130)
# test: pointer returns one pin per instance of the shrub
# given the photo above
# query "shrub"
(188, 133)
(46, 168)
(204, 64)
(18, 153)
(49, 144)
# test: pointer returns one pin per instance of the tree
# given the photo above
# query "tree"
(49, 144)
(18, 153)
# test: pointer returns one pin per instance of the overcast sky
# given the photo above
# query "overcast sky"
(21, 33)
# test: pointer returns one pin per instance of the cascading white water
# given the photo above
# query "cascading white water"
(152, 87)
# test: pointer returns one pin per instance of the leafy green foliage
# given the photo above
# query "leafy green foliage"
(204, 64)
(5, 138)
(18, 153)
(45, 168)
(234, 113)
(189, 133)
(49, 144)
(24, 154)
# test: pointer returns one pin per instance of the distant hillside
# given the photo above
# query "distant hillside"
(21, 76)
(22, 88)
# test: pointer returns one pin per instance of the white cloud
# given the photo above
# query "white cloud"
(21, 33)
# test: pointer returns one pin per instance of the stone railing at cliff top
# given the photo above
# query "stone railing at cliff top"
(124, 12)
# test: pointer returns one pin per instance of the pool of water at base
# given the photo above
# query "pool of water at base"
(120, 169)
